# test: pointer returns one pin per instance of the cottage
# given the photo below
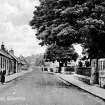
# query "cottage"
(8, 61)
(23, 63)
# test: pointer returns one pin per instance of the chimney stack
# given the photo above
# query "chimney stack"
(11, 51)
(2, 46)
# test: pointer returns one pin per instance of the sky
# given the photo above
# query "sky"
(78, 49)
(15, 31)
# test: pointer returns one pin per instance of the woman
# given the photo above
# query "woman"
(0, 75)
(3, 76)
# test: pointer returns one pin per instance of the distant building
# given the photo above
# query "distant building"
(23, 63)
(8, 61)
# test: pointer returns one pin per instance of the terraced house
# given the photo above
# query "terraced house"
(8, 61)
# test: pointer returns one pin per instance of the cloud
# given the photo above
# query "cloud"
(17, 11)
(21, 39)
(14, 29)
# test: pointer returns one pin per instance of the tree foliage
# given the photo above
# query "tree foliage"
(65, 22)
(92, 29)
(89, 22)
(60, 54)
(52, 27)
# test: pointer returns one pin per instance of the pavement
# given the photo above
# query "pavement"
(92, 89)
(11, 77)
(15, 75)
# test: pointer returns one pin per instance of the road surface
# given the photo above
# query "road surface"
(40, 88)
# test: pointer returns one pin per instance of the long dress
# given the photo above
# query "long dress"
(0, 75)
(3, 76)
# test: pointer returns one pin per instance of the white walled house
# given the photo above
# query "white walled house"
(8, 61)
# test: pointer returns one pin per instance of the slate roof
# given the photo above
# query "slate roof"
(5, 53)
(8, 55)
(13, 56)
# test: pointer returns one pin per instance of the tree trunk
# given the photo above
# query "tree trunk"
(65, 63)
(59, 70)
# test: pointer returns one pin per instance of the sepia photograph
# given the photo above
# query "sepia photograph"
(52, 52)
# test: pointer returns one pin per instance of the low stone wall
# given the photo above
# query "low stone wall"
(67, 70)
(84, 71)
(84, 74)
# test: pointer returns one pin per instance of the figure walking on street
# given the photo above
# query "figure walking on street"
(3, 76)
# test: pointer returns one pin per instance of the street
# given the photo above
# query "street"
(41, 88)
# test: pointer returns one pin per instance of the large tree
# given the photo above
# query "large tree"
(54, 30)
(65, 22)
(52, 25)
(61, 54)
(92, 30)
